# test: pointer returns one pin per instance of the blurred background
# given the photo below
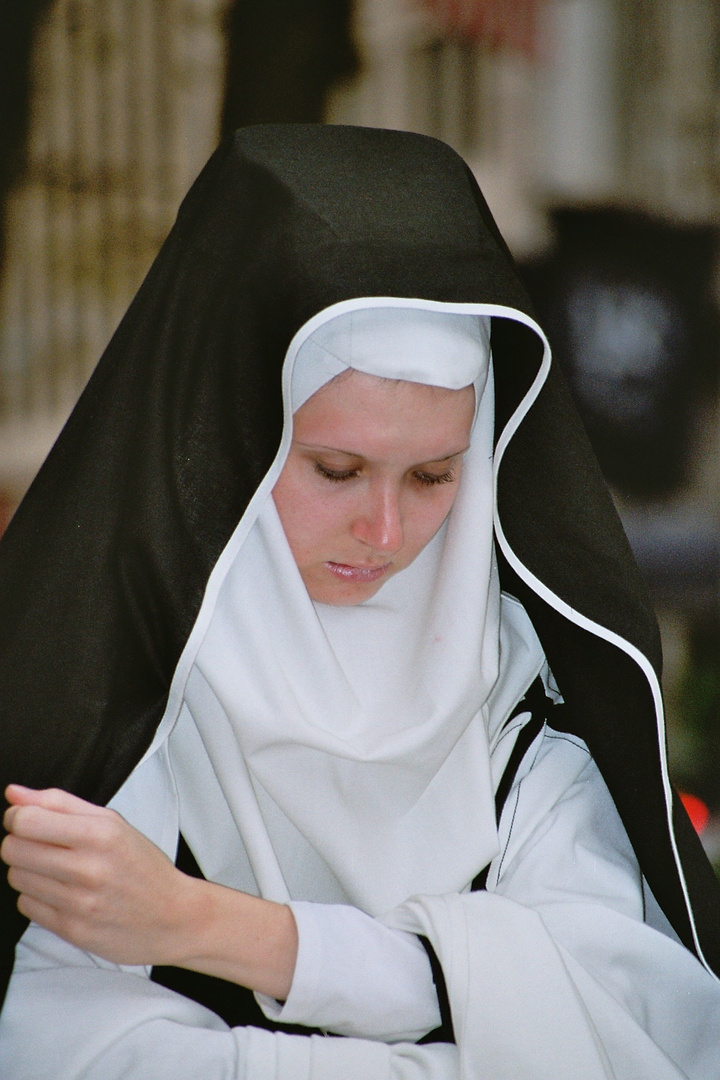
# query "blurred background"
(593, 127)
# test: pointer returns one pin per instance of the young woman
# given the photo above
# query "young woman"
(321, 591)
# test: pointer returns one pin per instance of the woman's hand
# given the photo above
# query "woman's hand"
(88, 876)
(83, 872)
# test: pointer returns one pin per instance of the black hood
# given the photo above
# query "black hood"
(104, 567)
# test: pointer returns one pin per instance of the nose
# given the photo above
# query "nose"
(380, 525)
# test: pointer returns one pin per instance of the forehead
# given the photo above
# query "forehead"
(368, 414)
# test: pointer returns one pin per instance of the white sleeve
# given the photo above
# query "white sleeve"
(69, 1015)
(555, 971)
(354, 976)
(651, 1001)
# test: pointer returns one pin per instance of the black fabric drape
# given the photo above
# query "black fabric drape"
(104, 566)
(283, 57)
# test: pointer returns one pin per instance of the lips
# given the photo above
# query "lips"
(360, 574)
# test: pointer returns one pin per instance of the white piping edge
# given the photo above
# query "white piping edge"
(590, 625)
(219, 571)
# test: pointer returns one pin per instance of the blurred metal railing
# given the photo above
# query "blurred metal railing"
(124, 112)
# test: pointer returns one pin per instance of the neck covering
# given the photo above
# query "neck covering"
(358, 732)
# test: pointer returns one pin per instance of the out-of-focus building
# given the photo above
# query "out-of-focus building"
(553, 100)
(124, 111)
(559, 106)
(550, 101)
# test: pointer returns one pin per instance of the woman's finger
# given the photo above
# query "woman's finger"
(23, 799)
(43, 889)
(66, 829)
(38, 912)
(49, 859)
(52, 918)
(51, 799)
(44, 826)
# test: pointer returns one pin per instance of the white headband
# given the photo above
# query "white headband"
(415, 344)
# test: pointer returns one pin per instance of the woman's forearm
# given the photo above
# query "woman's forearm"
(88, 876)
(234, 936)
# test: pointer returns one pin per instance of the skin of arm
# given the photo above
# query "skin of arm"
(88, 876)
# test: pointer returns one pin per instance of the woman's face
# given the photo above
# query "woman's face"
(372, 473)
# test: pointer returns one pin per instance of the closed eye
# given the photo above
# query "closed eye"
(335, 474)
(430, 479)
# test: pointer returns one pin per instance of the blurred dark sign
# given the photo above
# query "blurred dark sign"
(626, 300)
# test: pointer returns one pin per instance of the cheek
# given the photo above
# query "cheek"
(289, 502)
(304, 515)
(422, 525)
(430, 515)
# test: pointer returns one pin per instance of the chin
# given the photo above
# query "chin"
(341, 593)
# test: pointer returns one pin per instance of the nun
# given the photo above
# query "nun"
(333, 737)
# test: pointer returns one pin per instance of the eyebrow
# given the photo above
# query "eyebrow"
(355, 454)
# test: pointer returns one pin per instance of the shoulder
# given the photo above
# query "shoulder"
(560, 830)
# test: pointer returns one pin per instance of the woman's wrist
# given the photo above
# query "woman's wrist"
(235, 936)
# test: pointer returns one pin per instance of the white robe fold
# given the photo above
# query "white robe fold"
(551, 973)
